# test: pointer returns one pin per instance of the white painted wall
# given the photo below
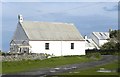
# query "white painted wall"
(58, 48)
(39, 47)
(79, 48)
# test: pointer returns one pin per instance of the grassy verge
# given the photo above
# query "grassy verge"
(0, 67)
(93, 71)
(20, 66)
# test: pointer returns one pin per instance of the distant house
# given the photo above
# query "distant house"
(100, 38)
(47, 37)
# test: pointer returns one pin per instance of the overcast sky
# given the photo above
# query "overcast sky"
(87, 16)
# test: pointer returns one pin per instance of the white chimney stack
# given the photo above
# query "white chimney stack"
(20, 18)
(85, 37)
(110, 30)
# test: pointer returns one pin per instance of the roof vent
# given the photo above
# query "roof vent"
(20, 18)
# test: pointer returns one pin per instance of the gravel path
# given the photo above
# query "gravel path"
(65, 68)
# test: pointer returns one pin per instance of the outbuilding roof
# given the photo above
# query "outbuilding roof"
(102, 35)
(90, 43)
(50, 31)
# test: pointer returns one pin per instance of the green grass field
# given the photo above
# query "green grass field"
(93, 71)
(20, 66)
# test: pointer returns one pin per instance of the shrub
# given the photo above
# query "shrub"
(95, 55)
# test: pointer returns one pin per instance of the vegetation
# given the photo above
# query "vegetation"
(114, 43)
(114, 40)
(95, 55)
(0, 63)
(3, 53)
(93, 71)
(25, 65)
(0, 52)
(0, 67)
(115, 34)
(109, 46)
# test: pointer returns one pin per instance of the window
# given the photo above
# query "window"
(72, 45)
(47, 46)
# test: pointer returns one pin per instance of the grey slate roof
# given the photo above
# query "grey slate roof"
(50, 31)
(102, 35)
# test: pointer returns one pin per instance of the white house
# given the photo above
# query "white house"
(100, 38)
(47, 37)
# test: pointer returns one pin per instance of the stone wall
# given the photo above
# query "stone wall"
(23, 57)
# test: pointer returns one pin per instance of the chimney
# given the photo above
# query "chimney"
(110, 30)
(20, 18)
(85, 37)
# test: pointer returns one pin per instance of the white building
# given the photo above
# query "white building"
(100, 38)
(47, 37)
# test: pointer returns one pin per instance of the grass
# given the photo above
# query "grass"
(26, 65)
(0, 67)
(92, 71)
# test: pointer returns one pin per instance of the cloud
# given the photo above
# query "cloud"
(114, 8)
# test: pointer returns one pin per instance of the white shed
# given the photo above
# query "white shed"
(52, 38)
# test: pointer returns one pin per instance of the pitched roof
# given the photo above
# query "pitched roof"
(102, 35)
(90, 43)
(50, 31)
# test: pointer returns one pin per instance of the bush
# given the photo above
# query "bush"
(96, 55)
(109, 46)
(104, 52)
(114, 43)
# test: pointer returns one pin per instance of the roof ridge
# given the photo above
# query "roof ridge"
(50, 22)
